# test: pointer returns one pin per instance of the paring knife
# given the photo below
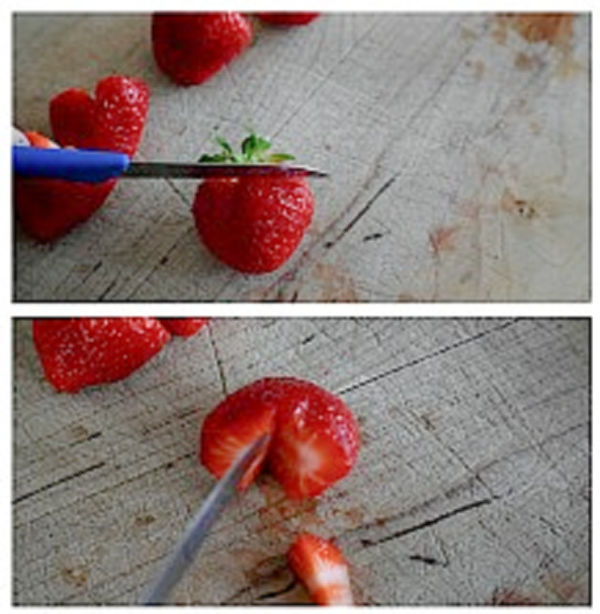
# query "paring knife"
(95, 166)
(185, 551)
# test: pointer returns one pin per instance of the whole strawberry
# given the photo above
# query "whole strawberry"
(79, 352)
(314, 436)
(113, 120)
(253, 223)
(191, 47)
(288, 19)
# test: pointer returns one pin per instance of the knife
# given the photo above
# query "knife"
(185, 551)
(95, 166)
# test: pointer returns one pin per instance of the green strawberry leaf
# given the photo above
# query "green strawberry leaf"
(253, 150)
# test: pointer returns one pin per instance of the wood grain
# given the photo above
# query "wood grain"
(472, 484)
(458, 148)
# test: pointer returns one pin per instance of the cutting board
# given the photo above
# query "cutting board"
(472, 484)
(457, 147)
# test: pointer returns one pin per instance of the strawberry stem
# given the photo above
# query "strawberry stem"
(254, 149)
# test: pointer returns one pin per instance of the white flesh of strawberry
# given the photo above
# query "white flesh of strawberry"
(333, 579)
(308, 461)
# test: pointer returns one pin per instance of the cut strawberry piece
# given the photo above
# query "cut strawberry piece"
(35, 139)
(314, 435)
(49, 208)
(184, 327)
(230, 428)
(288, 19)
(322, 569)
(316, 440)
(79, 352)
(114, 120)
(191, 47)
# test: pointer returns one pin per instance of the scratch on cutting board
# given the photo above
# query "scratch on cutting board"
(218, 361)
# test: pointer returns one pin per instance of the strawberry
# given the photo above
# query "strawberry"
(314, 435)
(184, 327)
(79, 352)
(114, 120)
(48, 208)
(191, 47)
(254, 223)
(288, 19)
(322, 569)
(232, 426)
(316, 439)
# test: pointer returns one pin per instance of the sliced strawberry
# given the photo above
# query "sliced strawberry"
(184, 327)
(113, 120)
(230, 428)
(79, 352)
(316, 440)
(322, 569)
(35, 139)
(48, 208)
(314, 435)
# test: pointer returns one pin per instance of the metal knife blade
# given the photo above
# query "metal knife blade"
(201, 170)
(184, 553)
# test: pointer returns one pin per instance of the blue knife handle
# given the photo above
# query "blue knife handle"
(70, 164)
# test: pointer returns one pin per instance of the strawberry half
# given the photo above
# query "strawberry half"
(191, 47)
(288, 19)
(230, 428)
(322, 569)
(114, 120)
(314, 441)
(255, 223)
(184, 327)
(79, 352)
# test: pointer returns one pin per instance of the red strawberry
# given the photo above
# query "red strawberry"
(191, 47)
(315, 437)
(48, 208)
(253, 224)
(114, 120)
(185, 327)
(79, 352)
(288, 19)
(322, 569)
(231, 427)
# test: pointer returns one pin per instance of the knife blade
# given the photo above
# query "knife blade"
(197, 529)
(95, 166)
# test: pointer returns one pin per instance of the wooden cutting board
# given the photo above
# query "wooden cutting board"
(458, 148)
(472, 484)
